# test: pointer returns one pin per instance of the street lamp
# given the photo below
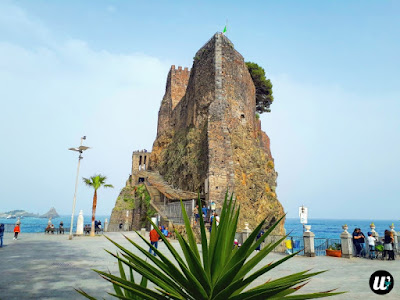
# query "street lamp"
(80, 149)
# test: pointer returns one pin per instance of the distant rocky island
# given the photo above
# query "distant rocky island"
(18, 213)
(52, 213)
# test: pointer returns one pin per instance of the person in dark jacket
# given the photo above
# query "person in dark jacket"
(61, 228)
(359, 242)
(1, 234)
(259, 235)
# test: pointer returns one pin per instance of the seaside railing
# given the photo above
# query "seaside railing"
(322, 244)
(29, 228)
(296, 243)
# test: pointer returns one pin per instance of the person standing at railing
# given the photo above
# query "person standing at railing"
(359, 242)
(388, 245)
(371, 243)
(1, 234)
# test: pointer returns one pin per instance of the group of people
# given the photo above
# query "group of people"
(51, 228)
(97, 225)
(205, 211)
(359, 244)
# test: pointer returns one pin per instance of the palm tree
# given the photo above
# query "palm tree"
(96, 182)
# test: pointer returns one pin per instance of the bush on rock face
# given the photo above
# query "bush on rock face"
(263, 87)
(220, 271)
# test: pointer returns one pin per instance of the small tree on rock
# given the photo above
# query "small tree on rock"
(263, 86)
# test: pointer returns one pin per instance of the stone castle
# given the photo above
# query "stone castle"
(209, 140)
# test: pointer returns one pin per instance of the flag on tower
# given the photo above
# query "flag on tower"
(224, 29)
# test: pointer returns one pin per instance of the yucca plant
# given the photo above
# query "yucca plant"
(221, 271)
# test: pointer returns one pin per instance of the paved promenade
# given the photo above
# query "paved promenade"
(39, 266)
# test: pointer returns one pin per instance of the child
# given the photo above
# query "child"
(16, 231)
(371, 243)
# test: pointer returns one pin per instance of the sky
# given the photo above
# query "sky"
(99, 68)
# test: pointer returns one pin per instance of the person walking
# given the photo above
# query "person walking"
(1, 234)
(17, 230)
(154, 237)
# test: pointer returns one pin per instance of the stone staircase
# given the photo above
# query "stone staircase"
(156, 185)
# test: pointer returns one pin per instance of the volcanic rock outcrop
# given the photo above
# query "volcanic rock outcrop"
(209, 139)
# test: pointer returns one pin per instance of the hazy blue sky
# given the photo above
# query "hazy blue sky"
(98, 68)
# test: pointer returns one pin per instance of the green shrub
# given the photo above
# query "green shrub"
(335, 246)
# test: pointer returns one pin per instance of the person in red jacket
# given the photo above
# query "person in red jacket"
(16, 231)
(154, 237)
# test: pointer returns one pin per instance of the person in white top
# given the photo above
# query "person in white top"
(371, 243)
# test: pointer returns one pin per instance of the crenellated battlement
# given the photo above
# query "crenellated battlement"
(175, 70)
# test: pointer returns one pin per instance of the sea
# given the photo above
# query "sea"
(322, 228)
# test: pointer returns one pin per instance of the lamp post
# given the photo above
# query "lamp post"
(80, 149)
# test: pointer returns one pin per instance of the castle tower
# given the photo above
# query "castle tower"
(140, 162)
(175, 89)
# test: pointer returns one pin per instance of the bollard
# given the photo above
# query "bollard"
(347, 243)
(143, 232)
(308, 238)
(106, 225)
(246, 232)
(374, 233)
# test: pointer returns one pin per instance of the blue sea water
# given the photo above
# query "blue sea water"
(322, 228)
(30, 225)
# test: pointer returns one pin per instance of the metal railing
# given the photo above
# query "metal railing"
(321, 244)
(290, 245)
(173, 211)
(296, 243)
